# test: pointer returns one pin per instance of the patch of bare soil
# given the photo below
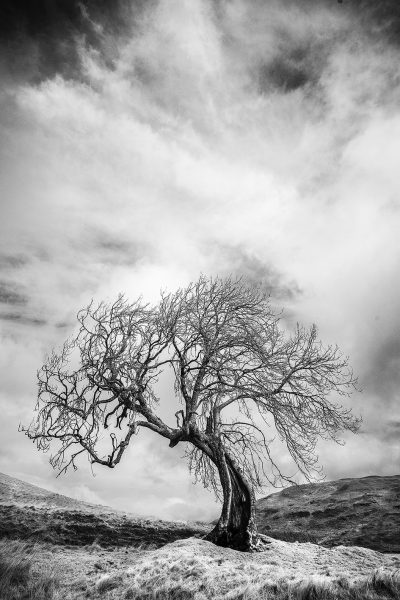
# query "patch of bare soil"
(352, 512)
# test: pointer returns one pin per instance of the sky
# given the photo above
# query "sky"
(144, 143)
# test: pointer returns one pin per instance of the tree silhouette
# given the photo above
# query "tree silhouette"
(235, 371)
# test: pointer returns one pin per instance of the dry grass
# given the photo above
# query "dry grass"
(17, 582)
(379, 586)
(199, 570)
(195, 569)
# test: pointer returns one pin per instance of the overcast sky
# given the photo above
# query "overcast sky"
(148, 142)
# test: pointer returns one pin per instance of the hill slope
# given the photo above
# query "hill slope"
(27, 511)
(352, 512)
(16, 491)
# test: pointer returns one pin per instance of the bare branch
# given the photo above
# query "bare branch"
(236, 373)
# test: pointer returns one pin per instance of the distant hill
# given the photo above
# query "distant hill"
(16, 491)
(351, 512)
(28, 511)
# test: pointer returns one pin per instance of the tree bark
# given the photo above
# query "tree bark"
(236, 527)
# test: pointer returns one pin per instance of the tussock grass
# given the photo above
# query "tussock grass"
(380, 586)
(199, 571)
(16, 579)
(108, 582)
(193, 570)
(386, 582)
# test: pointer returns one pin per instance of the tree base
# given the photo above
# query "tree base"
(244, 541)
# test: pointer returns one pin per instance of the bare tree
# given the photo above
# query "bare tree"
(236, 371)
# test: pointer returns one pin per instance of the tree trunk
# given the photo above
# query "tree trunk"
(236, 527)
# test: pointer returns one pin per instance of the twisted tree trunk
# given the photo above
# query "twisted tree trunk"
(236, 527)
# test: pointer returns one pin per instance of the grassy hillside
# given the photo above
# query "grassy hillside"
(30, 512)
(353, 512)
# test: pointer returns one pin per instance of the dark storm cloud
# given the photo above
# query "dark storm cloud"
(381, 19)
(37, 17)
(38, 38)
(11, 294)
(301, 62)
(378, 18)
(298, 63)
(382, 13)
(285, 74)
(40, 18)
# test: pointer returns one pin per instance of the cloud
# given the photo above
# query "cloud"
(239, 261)
(12, 262)
(9, 294)
(380, 19)
(14, 302)
(24, 320)
(39, 40)
(384, 368)
(392, 433)
(144, 143)
(361, 456)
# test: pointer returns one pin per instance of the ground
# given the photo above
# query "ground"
(194, 568)
(153, 560)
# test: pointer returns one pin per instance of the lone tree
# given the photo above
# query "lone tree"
(235, 371)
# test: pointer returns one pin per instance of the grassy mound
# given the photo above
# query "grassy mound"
(196, 569)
